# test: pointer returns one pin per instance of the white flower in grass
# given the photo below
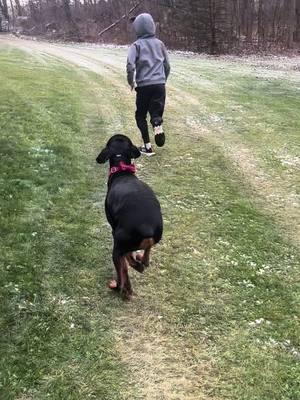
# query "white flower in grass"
(295, 353)
(72, 326)
(273, 342)
(259, 322)
(260, 272)
(286, 345)
(247, 284)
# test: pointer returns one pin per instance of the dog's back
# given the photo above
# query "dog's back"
(133, 211)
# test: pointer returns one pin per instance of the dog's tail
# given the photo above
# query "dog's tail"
(146, 243)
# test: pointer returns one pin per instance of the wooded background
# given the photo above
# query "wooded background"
(214, 26)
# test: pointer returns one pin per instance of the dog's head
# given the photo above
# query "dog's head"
(118, 148)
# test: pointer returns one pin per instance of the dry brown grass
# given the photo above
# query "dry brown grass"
(161, 366)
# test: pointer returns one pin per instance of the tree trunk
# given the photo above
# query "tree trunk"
(297, 29)
(260, 23)
(73, 28)
(4, 9)
(250, 21)
(13, 14)
(275, 20)
(212, 26)
(291, 23)
(19, 8)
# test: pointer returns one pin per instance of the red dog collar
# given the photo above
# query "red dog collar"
(122, 167)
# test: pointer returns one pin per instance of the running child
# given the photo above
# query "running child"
(148, 68)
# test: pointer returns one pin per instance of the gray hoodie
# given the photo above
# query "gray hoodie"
(147, 56)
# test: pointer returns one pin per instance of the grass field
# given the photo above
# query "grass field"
(217, 315)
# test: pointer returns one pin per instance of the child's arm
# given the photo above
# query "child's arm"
(131, 60)
(167, 66)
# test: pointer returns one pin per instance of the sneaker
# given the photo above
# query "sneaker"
(147, 152)
(159, 136)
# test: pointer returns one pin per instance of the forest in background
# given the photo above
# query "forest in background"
(213, 26)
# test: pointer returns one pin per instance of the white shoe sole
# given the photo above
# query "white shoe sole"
(148, 154)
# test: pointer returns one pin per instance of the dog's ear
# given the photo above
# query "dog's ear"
(103, 156)
(135, 153)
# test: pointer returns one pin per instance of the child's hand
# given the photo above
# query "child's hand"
(133, 86)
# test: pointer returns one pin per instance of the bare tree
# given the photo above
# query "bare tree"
(4, 9)
(206, 25)
(126, 15)
(73, 29)
(291, 22)
(297, 16)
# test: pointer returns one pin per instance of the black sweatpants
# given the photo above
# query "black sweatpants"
(149, 99)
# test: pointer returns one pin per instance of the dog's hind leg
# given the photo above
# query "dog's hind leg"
(118, 263)
(146, 257)
(127, 292)
(146, 246)
(123, 281)
(135, 263)
(116, 284)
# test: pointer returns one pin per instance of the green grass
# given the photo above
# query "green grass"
(55, 334)
(217, 314)
(256, 109)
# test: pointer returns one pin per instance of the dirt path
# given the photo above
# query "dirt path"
(82, 57)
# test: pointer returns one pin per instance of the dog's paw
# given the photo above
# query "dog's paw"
(141, 259)
(126, 294)
(113, 284)
(139, 256)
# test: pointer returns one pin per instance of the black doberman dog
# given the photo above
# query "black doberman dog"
(132, 210)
